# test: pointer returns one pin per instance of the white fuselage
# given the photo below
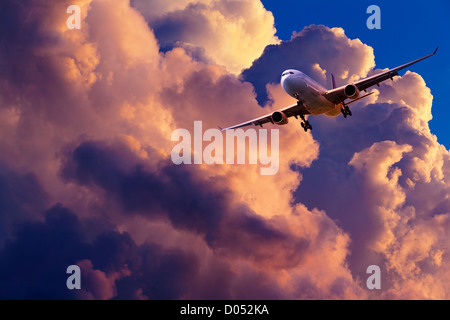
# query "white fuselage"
(300, 86)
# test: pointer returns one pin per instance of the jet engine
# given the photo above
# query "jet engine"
(279, 118)
(351, 91)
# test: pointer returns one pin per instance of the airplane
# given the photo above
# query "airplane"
(314, 99)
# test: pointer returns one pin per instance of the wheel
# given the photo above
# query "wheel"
(302, 124)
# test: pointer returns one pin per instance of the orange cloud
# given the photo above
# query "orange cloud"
(107, 93)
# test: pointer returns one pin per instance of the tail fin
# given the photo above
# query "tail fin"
(333, 82)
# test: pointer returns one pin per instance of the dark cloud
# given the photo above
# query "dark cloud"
(21, 197)
(164, 274)
(33, 263)
(190, 203)
(175, 190)
(182, 25)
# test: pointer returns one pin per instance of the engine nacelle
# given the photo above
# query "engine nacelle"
(279, 118)
(351, 91)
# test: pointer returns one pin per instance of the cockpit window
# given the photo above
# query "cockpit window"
(286, 73)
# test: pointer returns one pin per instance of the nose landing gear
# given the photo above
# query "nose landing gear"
(305, 123)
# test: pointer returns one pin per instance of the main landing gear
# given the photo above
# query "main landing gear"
(346, 111)
(305, 123)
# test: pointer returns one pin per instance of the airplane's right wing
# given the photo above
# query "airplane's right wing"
(290, 111)
(338, 96)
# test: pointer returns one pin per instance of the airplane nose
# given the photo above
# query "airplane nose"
(287, 83)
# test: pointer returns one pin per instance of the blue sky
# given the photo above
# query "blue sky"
(409, 30)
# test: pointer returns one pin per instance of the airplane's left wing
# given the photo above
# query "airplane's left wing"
(338, 96)
(290, 111)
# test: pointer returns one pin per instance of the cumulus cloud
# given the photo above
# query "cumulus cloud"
(86, 177)
(388, 183)
(221, 30)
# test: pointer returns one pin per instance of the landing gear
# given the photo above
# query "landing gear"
(346, 111)
(305, 123)
(306, 126)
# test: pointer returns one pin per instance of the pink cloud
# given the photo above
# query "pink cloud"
(91, 113)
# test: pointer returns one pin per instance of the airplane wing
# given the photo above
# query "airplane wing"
(290, 111)
(338, 96)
